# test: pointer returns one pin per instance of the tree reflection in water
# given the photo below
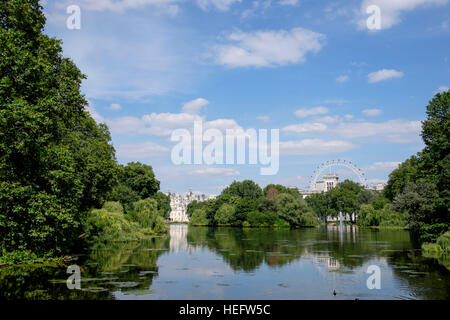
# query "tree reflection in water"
(122, 270)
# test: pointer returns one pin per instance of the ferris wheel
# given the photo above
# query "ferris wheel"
(332, 163)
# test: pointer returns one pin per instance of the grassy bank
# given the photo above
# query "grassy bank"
(439, 250)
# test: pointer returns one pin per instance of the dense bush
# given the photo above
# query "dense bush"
(111, 224)
(198, 218)
(383, 217)
(261, 219)
(295, 211)
(226, 214)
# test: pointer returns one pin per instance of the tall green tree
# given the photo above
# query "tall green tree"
(345, 197)
(419, 200)
(55, 161)
(408, 171)
(140, 178)
(436, 154)
(244, 189)
(292, 210)
(320, 204)
(428, 207)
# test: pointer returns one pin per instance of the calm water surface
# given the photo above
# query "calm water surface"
(231, 263)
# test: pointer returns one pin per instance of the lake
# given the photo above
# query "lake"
(233, 263)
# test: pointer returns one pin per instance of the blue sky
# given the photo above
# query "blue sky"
(334, 88)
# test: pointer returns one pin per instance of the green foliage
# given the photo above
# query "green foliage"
(140, 178)
(407, 172)
(198, 218)
(56, 163)
(110, 224)
(444, 242)
(125, 195)
(262, 219)
(294, 211)
(163, 202)
(226, 214)
(345, 197)
(384, 217)
(243, 204)
(245, 189)
(421, 185)
(113, 207)
(272, 191)
(23, 256)
(430, 232)
(104, 226)
(368, 216)
(135, 182)
(309, 219)
(439, 250)
(320, 203)
(419, 200)
(146, 213)
(265, 204)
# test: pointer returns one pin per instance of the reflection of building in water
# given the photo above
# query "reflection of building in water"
(347, 233)
(179, 204)
(178, 237)
(330, 262)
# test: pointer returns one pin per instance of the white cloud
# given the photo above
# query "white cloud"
(264, 118)
(328, 119)
(163, 124)
(303, 113)
(222, 5)
(158, 124)
(115, 106)
(391, 10)
(227, 172)
(342, 79)
(384, 74)
(222, 125)
(195, 106)
(256, 6)
(372, 112)
(141, 151)
(153, 55)
(442, 89)
(288, 2)
(268, 48)
(388, 129)
(305, 127)
(349, 117)
(315, 147)
(382, 166)
(123, 5)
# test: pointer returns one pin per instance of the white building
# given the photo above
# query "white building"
(179, 204)
(329, 182)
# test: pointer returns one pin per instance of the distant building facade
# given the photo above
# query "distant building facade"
(179, 204)
(329, 181)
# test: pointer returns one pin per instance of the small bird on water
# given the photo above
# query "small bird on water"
(334, 292)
